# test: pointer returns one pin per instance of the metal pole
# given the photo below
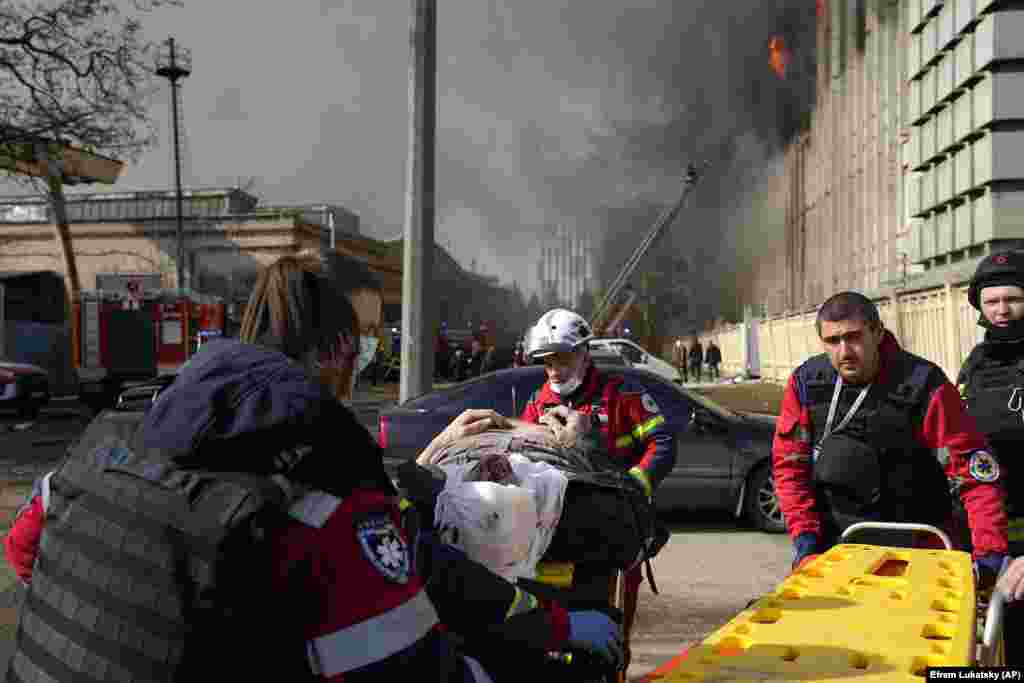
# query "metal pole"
(177, 177)
(173, 71)
(418, 298)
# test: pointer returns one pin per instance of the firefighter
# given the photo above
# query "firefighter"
(868, 431)
(991, 382)
(629, 423)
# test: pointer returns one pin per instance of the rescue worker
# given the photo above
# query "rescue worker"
(868, 431)
(991, 382)
(629, 424)
(373, 617)
(329, 595)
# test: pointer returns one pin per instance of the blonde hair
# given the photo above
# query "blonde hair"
(297, 307)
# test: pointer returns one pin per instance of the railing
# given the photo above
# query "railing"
(937, 324)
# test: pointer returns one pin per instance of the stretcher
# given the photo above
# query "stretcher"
(870, 613)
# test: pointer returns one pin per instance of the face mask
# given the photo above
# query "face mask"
(367, 350)
(570, 385)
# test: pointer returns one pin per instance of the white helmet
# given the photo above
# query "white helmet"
(558, 330)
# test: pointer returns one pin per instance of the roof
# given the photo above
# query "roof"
(125, 194)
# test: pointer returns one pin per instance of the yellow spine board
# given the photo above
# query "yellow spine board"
(864, 612)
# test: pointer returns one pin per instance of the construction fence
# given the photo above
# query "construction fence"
(937, 324)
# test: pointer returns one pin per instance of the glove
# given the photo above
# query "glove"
(641, 477)
(594, 631)
(804, 547)
(987, 569)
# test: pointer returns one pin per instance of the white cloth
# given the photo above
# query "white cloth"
(463, 505)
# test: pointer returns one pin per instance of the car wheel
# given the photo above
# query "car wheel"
(761, 505)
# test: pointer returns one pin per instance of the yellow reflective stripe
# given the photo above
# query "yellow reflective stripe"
(642, 477)
(404, 505)
(623, 441)
(641, 430)
(523, 602)
(1015, 529)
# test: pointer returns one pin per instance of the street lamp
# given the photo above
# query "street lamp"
(175, 64)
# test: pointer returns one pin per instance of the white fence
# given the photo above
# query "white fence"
(937, 324)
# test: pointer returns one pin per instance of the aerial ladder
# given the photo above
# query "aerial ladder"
(608, 314)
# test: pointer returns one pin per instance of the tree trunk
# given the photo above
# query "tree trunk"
(55, 185)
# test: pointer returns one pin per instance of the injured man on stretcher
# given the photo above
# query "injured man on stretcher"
(509, 494)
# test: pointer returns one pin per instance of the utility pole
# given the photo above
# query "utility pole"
(418, 299)
(174, 69)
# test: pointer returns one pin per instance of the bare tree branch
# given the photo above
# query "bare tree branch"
(78, 69)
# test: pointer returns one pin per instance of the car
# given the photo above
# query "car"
(638, 357)
(609, 357)
(723, 458)
(24, 387)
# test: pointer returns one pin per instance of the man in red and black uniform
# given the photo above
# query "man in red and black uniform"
(869, 432)
(628, 425)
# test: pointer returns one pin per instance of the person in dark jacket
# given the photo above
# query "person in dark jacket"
(342, 608)
(857, 437)
(277, 387)
(990, 382)
(696, 358)
(713, 358)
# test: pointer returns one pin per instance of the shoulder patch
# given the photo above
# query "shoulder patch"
(983, 467)
(384, 547)
(314, 508)
(649, 403)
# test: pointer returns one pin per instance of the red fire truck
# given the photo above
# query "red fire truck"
(125, 337)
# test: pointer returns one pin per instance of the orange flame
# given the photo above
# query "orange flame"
(778, 58)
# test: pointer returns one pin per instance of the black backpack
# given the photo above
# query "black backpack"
(168, 566)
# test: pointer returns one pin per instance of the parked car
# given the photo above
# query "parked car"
(24, 387)
(638, 357)
(723, 460)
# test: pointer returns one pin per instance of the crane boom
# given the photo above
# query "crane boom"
(664, 220)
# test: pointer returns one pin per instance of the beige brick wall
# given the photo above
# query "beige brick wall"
(219, 248)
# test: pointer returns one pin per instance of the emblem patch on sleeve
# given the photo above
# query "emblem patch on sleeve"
(649, 405)
(983, 467)
(384, 547)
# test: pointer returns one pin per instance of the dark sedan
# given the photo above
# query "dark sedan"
(723, 458)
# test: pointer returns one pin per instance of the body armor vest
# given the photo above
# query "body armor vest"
(874, 468)
(148, 572)
(992, 384)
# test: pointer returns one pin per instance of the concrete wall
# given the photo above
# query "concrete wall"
(220, 248)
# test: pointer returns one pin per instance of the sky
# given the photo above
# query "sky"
(549, 111)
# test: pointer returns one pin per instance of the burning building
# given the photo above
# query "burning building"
(907, 174)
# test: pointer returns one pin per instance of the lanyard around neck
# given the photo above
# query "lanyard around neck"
(835, 404)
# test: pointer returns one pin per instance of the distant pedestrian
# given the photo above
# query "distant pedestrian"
(713, 358)
(679, 356)
(696, 357)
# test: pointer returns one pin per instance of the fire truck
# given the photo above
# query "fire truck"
(123, 337)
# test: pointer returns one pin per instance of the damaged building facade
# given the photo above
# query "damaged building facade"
(909, 172)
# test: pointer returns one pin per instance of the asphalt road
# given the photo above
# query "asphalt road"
(707, 573)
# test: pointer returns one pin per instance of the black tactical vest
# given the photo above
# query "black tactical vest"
(874, 468)
(149, 572)
(992, 384)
